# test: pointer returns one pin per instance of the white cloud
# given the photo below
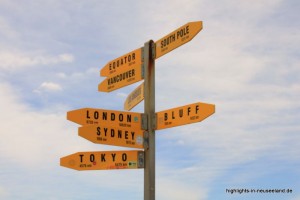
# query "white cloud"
(11, 61)
(49, 86)
(32, 137)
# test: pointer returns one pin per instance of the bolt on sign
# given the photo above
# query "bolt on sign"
(177, 38)
(134, 98)
(92, 116)
(121, 79)
(124, 137)
(188, 114)
(104, 160)
(131, 59)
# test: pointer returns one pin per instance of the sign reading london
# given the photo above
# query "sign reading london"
(131, 59)
(177, 38)
(103, 160)
(124, 137)
(92, 116)
(191, 113)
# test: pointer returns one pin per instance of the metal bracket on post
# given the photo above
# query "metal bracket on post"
(141, 159)
(144, 121)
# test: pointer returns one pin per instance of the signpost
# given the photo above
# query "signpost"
(134, 98)
(129, 129)
(103, 160)
(191, 113)
(92, 116)
(109, 135)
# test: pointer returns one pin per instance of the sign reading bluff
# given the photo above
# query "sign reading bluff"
(91, 116)
(103, 160)
(177, 38)
(124, 137)
(191, 113)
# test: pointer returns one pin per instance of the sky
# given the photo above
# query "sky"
(245, 60)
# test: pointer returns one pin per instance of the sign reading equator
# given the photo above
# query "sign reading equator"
(133, 58)
(177, 38)
(104, 160)
(124, 137)
(187, 114)
(92, 116)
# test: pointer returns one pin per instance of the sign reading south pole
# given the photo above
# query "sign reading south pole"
(124, 137)
(92, 116)
(188, 114)
(177, 38)
(131, 59)
(104, 160)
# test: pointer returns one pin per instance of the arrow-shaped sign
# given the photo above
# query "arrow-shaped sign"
(112, 118)
(134, 98)
(177, 38)
(104, 160)
(131, 59)
(124, 137)
(122, 78)
(191, 113)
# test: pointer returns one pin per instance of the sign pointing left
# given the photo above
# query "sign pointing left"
(124, 137)
(133, 58)
(103, 160)
(92, 116)
(121, 79)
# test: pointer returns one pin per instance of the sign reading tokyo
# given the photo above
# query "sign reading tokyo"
(92, 116)
(191, 113)
(133, 58)
(103, 160)
(177, 38)
(124, 137)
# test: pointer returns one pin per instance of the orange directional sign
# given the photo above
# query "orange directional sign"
(184, 115)
(130, 59)
(124, 137)
(122, 78)
(177, 38)
(102, 160)
(134, 97)
(92, 116)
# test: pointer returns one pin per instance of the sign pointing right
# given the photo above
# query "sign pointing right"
(188, 114)
(177, 38)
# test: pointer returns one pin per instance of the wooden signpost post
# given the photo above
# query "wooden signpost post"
(130, 129)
